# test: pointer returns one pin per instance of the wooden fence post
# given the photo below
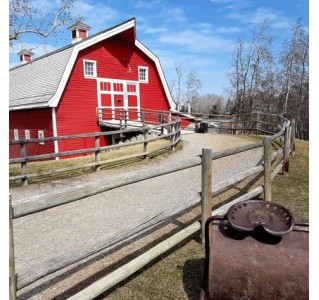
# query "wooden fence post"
(12, 275)
(257, 123)
(169, 121)
(24, 171)
(142, 117)
(293, 136)
(145, 136)
(285, 168)
(267, 169)
(97, 153)
(121, 119)
(125, 117)
(173, 137)
(206, 189)
(162, 121)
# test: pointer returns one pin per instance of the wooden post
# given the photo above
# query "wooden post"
(126, 117)
(285, 168)
(142, 116)
(293, 136)
(173, 138)
(267, 169)
(121, 117)
(169, 121)
(257, 123)
(206, 189)
(12, 275)
(24, 171)
(145, 136)
(162, 121)
(97, 153)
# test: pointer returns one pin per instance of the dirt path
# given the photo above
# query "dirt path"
(42, 238)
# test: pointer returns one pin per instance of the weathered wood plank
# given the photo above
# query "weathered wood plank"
(267, 170)
(110, 280)
(12, 274)
(62, 260)
(250, 195)
(55, 198)
(206, 181)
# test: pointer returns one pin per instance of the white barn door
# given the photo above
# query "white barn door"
(118, 96)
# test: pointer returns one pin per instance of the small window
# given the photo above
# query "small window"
(27, 134)
(143, 74)
(89, 68)
(41, 136)
(16, 134)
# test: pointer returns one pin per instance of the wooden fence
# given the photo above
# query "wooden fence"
(167, 127)
(56, 198)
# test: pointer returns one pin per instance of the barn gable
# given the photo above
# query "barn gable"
(38, 84)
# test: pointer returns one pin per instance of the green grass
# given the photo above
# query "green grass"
(44, 166)
(178, 274)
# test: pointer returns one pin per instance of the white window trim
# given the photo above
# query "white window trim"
(94, 68)
(27, 134)
(147, 76)
(41, 136)
(16, 134)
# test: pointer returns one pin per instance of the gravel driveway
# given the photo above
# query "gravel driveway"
(43, 237)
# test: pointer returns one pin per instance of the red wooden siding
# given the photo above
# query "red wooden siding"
(117, 58)
(32, 120)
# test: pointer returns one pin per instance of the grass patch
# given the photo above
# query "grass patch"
(178, 273)
(116, 154)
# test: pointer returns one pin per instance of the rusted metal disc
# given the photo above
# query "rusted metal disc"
(274, 218)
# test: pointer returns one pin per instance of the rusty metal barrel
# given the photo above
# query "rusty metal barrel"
(254, 257)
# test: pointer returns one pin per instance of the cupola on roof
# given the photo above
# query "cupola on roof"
(79, 31)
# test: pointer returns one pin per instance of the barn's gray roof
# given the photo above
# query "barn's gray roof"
(33, 84)
(39, 83)
(36, 82)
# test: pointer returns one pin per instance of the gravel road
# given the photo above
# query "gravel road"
(42, 237)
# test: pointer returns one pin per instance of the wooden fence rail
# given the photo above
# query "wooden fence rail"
(173, 135)
(52, 199)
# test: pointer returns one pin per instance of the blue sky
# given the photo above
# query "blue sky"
(200, 35)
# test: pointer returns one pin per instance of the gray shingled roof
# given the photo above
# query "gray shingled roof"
(37, 82)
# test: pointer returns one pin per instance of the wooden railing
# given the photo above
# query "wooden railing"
(167, 127)
(208, 190)
(122, 118)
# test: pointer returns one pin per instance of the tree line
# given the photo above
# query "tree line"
(260, 79)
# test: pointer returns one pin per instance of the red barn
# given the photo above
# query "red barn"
(58, 94)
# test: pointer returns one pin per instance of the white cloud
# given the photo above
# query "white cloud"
(196, 41)
(153, 30)
(147, 4)
(96, 15)
(261, 14)
(175, 15)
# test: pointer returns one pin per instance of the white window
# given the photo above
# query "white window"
(16, 134)
(143, 74)
(27, 134)
(89, 68)
(41, 136)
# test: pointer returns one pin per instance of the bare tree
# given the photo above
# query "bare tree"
(252, 69)
(193, 85)
(184, 92)
(27, 17)
(294, 77)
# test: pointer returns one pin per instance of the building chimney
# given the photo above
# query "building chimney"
(25, 56)
(79, 31)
